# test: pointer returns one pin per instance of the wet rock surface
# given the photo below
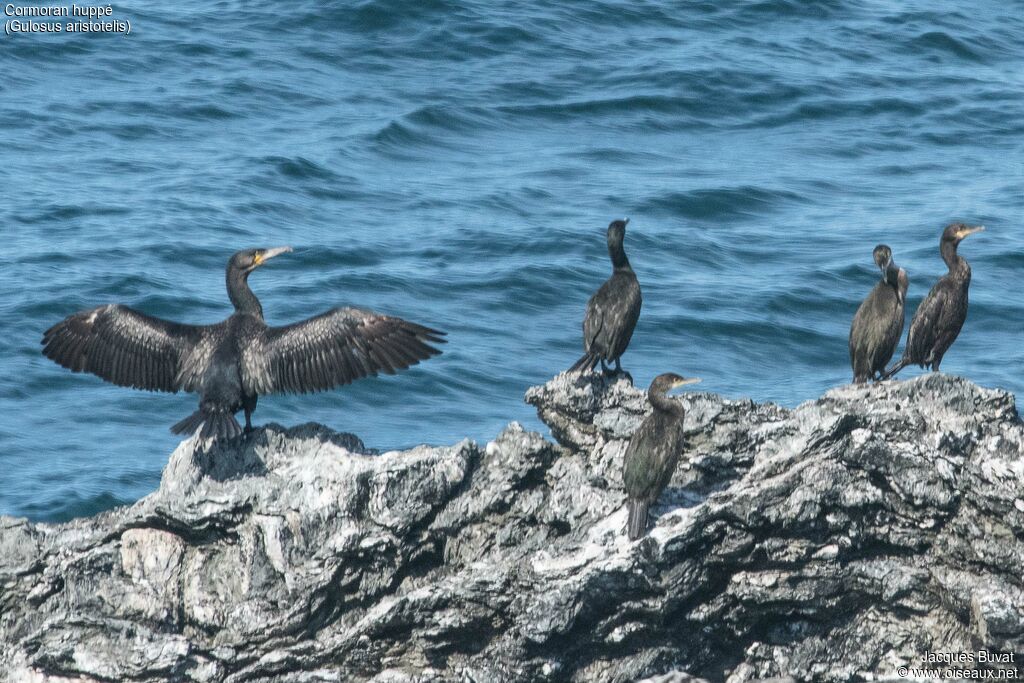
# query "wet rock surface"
(837, 541)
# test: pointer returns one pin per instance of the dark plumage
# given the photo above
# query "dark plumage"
(878, 323)
(940, 316)
(232, 363)
(653, 451)
(613, 311)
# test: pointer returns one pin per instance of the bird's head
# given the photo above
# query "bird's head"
(664, 383)
(957, 231)
(249, 260)
(891, 273)
(617, 232)
(883, 256)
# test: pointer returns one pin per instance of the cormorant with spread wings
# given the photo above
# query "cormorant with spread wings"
(230, 364)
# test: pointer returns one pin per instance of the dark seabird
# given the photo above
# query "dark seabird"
(613, 311)
(230, 364)
(878, 324)
(653, 451)
(940, 316)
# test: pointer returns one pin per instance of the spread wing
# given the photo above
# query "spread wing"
(125, 347)
(335, 348)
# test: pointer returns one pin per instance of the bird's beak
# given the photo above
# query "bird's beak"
(686, 380)
(969, 231)
(264, 256)
(625, 221)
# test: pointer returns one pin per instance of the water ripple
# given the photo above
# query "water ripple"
(457, 162)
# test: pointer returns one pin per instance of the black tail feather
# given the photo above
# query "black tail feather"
(215, 425)
(586, 363)
(637, 525)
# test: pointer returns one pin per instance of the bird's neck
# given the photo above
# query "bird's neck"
(891, 276)
(664, 403)
(241, 296)
(618, 256)
(957, 264)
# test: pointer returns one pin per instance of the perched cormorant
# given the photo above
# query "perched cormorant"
(878, 324)
(613, 311)
(940, 316)
(230, 364)
(653, 451)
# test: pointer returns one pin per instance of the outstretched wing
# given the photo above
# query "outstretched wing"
(335, 348)
(123, 346)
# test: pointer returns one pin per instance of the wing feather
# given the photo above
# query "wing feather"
(335, 348)
(611, 317)
(923, 327)
(125, 347)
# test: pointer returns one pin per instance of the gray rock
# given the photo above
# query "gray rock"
(834, 542)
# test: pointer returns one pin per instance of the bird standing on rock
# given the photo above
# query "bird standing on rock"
(613, 311)
(653, 451)
(940, 316)
(878, 323)
(230, 364)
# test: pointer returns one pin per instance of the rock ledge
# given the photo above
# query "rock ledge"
(837, 541)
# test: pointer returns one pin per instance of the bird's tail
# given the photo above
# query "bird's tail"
(637, 525)
(213, 424)
(586, 363)
(904, 362)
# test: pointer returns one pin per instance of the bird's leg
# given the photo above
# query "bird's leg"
(249, 405)
(604, 367)
(620, 371)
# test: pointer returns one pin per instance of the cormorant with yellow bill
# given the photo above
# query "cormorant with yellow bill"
(232, 363)
(653, 451)
(940, 316)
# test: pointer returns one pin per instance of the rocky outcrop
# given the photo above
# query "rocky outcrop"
(843, 539)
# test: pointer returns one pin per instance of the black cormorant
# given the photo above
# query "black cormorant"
(940, 316)
(653, 451)
(878, 324)
(613, 311)
(230, 364)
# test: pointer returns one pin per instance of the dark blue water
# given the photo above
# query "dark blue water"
(456, 162)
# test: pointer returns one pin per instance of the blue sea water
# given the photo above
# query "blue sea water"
(456, 162)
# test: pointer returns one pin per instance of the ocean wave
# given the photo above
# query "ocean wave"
(720, 203)
(943, 44)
